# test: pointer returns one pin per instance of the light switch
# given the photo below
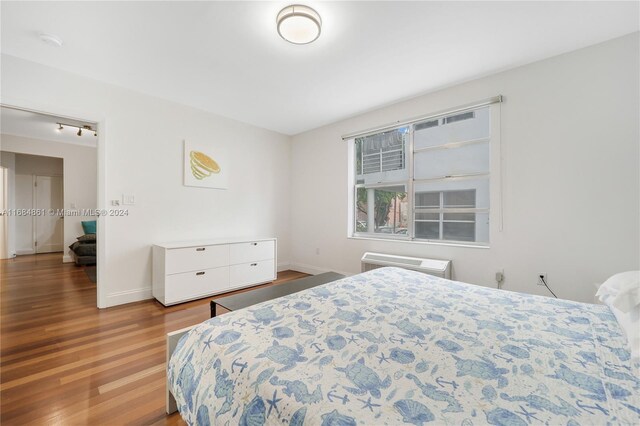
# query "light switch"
(128, 200)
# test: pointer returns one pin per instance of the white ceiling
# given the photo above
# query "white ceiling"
(41, 126)
(227, 58)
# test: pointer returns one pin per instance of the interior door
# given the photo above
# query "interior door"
(24, 225)
(49, 227)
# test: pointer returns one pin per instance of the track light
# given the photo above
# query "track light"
(80, 128)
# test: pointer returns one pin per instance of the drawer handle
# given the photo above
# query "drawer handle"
(254, 244)
(199, 273)
(254, 264)
(200, 249)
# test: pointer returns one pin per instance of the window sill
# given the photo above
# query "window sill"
(431, 243)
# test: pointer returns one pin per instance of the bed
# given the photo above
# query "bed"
(392, 346)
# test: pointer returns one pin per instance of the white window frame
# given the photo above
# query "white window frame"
(495, 210)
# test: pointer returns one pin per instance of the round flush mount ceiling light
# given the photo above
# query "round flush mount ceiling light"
(51, 40)
(299, 24)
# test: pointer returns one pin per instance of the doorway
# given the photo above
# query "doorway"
(52, 187)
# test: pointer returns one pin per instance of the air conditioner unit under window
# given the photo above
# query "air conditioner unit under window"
(438, 268)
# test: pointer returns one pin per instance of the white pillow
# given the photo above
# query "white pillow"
(621, 290)
(627, 300)
(621, 293)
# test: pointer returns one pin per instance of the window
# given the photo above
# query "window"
(435, 223)
(381, 152)
(381, 201)
(443, 196)
(459, 117)
(389, 206)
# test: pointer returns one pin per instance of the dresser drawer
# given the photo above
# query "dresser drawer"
(196, 258)
(251, 273)
(191, 285)
(252, 251)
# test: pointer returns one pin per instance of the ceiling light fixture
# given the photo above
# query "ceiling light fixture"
(299, 24)
(51, 40)
(80, 128)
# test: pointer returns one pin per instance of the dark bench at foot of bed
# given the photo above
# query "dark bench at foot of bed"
(253, 297)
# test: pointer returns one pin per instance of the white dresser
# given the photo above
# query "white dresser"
(194, 269)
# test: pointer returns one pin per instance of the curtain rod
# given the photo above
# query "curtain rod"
(489, 101)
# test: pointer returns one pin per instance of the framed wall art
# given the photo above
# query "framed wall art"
(205, 165)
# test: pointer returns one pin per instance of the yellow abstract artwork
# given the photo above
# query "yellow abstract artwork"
(202, 166)
(206, 165)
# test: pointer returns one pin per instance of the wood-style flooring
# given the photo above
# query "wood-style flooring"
(64, 361)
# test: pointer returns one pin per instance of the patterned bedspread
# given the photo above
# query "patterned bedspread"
(391, 346)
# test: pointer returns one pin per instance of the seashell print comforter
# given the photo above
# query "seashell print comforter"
(392, 347)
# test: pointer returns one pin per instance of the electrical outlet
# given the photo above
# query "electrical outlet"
(542, 279)
(500, 277)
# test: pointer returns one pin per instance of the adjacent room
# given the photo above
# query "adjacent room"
(51, 189)
(327, 213)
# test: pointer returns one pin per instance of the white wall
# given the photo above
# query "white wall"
(8, 161)
(77, 165)
(39, 165)
(143, 138)
(571, 179)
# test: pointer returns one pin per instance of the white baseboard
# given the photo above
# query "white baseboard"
(284, 266)
(67, 259)
(128, 296)
(314, 270)
(21, 252)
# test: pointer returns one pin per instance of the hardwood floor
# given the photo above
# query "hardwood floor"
(63, 361)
